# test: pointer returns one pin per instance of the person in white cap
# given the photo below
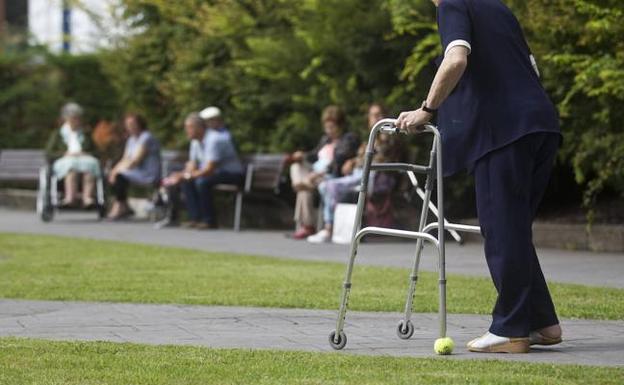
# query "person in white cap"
(216, 162)
(213, 119)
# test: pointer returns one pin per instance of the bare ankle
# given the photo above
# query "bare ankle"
(553, 331)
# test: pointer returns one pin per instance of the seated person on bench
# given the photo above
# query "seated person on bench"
(140, 165)
(212, 160)
(333, 191)
(309, 169)
(72, 141)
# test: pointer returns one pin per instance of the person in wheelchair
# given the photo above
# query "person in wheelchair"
(68, 149)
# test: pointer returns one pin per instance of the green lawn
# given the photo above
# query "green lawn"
(45, 362)
(56, 268)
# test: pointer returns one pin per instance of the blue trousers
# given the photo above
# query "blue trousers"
(510, 183)
(199, 195)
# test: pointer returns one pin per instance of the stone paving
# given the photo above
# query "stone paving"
(582, 267)
(586, 342)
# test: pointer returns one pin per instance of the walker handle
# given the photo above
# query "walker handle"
(389, 127)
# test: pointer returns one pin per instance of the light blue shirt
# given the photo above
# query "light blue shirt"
(216, 146)
(196, 152)
(148, 171)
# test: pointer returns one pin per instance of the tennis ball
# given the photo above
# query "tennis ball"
(444, 346)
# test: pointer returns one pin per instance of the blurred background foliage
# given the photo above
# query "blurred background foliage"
(272, 65)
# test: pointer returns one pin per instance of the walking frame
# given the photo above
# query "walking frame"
(434, 175)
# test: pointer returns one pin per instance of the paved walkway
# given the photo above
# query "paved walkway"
(586, 342)
(583, 267)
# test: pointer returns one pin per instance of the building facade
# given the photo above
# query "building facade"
(73, 26)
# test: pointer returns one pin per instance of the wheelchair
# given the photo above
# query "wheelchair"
(50, 194)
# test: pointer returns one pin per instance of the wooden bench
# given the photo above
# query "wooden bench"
(171, 161)
(262, 175)
(21, 166)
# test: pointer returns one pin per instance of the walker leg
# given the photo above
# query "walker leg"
(442, 288)
(405, 329)
(441, 237)
(337, 338)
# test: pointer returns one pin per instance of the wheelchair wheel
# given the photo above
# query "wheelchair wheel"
(45, 210)
(101, 209)
(47, 214)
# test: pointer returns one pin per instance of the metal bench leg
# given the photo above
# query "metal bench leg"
(238, 210)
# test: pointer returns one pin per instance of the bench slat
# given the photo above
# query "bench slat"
(227, 187)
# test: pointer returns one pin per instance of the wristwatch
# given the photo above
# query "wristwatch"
(187, 175)
(427, 109)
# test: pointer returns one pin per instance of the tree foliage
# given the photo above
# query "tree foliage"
(581, 43)
(272, 65)
(34, 84)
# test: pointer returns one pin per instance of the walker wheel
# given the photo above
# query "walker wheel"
(405, 330)
(337, 343)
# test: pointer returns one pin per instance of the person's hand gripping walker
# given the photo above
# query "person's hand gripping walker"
(413, 122)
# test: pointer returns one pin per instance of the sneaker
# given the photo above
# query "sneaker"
(322, 236)
(303, 233)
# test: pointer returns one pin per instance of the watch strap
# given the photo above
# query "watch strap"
(429, 110)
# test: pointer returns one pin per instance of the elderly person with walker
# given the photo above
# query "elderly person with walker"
(497, 122)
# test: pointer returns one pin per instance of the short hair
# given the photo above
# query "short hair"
(195, 118)
(71, 110)
(335, 114)
(138, 118)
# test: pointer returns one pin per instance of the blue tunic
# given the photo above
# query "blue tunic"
(148, 171)
(500, 98)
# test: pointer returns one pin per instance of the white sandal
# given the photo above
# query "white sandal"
(491, 343)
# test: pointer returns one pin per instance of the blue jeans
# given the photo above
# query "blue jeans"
(334, 190)
(199, 195)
